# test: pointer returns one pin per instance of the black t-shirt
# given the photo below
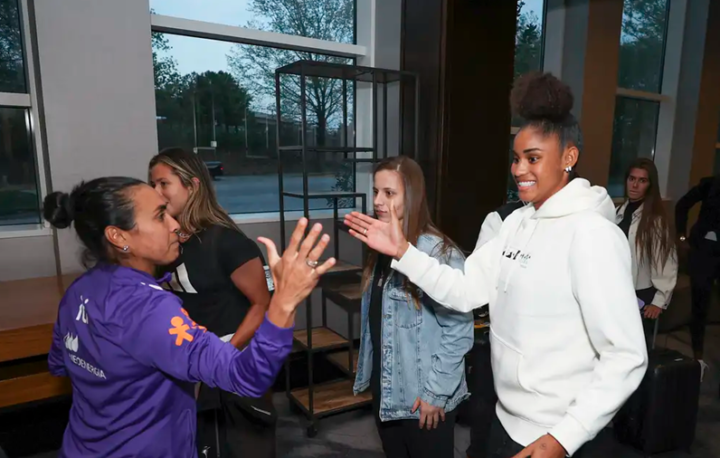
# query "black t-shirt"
(628, 215)
(382, 271)
(201, 277)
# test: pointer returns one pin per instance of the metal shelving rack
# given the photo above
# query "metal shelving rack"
(342, 284)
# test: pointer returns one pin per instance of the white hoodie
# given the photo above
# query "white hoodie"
(567, 341)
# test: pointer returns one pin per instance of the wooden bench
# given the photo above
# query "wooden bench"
(27, 313)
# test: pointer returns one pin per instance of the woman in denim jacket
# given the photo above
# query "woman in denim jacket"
(412, 350)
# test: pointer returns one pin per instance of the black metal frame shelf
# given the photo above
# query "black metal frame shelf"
(342, 284)
(325, 195)
(326, 149)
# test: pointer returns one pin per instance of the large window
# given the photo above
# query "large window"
(642, 50)
(12, 66)
(529, 35)
(217, 98)
(19, 182)
(331, 20)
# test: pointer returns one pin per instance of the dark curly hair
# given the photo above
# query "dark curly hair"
(545, 103)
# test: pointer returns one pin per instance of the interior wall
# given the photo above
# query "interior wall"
(478, 74)
(708, 111)
(97, 87)
(26, 257)
(463, 52)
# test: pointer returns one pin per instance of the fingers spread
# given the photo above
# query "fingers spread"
(309, 241)
(325, 266)
(359, 236)
(297, 236)
(319, 248)
(356, 226)
(357, 217)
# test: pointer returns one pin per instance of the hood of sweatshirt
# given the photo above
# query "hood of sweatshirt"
(577, 196)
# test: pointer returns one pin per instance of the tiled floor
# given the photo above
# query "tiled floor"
(353, 435)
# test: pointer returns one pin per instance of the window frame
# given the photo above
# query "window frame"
(543, 52)
(363, 24)
(543, 55)
(29, 101)
(664, 96)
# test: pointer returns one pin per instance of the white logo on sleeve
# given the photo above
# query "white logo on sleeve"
(82, 311)
(71, 343)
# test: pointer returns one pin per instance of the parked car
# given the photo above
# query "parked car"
(215, 168)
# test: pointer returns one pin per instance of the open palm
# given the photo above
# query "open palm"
(386, 238)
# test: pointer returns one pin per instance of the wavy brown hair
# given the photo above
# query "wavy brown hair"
(653, 240)
(202, 209)
(416, 217)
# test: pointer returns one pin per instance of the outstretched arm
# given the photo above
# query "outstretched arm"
(453, 288)
(489, 230)
(186, 351)
(448, 286)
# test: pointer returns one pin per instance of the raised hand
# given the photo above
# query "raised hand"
(297, 272)
(386, 238)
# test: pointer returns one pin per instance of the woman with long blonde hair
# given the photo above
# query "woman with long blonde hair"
(221, 278)
(412, 350)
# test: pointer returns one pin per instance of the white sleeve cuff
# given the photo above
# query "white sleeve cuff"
(571, 434)
(408, 261)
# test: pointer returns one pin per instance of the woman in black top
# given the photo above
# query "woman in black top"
(221, 278)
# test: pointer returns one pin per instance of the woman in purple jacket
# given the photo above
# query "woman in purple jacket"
(129, 348)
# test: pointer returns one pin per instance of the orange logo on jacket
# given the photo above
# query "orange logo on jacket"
(194, 324)
(180, 329)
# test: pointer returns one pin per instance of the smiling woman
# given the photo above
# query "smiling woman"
(547, 147)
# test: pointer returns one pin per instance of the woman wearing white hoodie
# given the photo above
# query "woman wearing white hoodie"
(567, 341)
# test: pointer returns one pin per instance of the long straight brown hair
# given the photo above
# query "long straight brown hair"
(202, 209)
(416, 216)
(653, 240)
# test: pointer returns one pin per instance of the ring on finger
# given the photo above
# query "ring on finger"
(311, 263)
(365, 231)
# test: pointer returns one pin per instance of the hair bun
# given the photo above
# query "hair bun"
(538, 96)
(58, 209)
